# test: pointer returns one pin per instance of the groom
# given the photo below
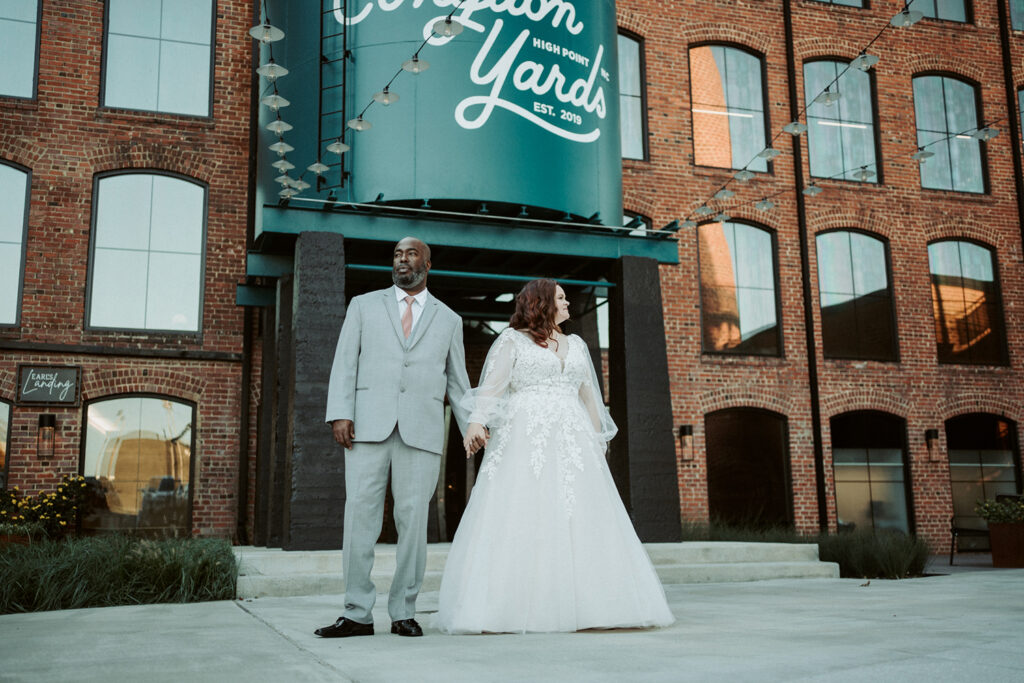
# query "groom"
(399, 352)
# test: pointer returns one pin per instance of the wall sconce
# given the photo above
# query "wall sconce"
(931, 440)
(46, 437)
(686, 442)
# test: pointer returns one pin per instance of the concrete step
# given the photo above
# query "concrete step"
(272, 572)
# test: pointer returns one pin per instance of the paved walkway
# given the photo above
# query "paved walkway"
(966, 625)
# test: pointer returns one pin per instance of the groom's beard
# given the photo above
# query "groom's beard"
(410, 280)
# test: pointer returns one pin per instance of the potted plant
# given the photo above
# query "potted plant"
(1005, 517)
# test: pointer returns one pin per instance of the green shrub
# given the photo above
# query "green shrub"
(102, 571)
(859, 554)
(1001, 511)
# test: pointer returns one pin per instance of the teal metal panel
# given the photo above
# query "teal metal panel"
(247, 295)
(269, 265)
(487, 276)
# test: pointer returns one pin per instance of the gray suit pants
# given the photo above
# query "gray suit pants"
(414, 475)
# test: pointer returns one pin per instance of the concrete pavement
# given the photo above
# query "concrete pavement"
(967, 625)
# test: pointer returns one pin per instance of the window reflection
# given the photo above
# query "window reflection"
(981, 464)
(5, 440)
(138, 457)
(840, 136)
(739, 310)
(856, 299)
(18, 33)
(947, 112)
(1017, 14)
(868, 463)
(158, 55)
(728, 108)
(966, 304)
(13, 207)
(950, 10)
(147, 253)
(631, 79)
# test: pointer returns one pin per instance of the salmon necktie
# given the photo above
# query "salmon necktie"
(407, 316)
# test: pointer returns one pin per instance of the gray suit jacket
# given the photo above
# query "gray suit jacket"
(380, 379)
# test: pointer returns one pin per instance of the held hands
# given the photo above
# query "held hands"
(476, 438)
(344, 432)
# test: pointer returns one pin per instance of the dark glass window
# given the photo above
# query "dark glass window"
(841, 135)
(966, 304)
(641, 223)
(147, 269)
(947, 115)
(5, 441)
(159, 55)
(14, 188)
(739, 306)
(848, 3)
(727, 104)
(138, 459)
(1017, 15)
(631, 97)
(856, 296)
(950, 10)
(19, 38)
(983, 463)
(869, 463)
(748, 468)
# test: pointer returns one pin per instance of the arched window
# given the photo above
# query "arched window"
(841, 135)
(983, 463)
(138, 458)
(147, 259)
(948, 113)
(632, 96)
(19, 47)
(158, 55)
(14, 196)
(727, 106)
(950, 10)
(869, 462)
(748, 467)
(966, 303)
(857, 318)
(5, 441)
(739, 305)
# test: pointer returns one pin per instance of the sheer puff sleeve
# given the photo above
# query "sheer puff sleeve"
(486, 402)
(590, 396)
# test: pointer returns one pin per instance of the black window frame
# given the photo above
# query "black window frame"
(35, 69)
(864, 4)
(1004, 340)
(5, 466)
(213, 66)
(780, 334)
(770, 165)
(892, 297)
(645, 133)
(24, 243)
(196, 335)
(193, 456)
(979, 117)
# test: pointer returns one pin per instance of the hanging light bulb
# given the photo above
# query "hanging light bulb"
(265, 33)
(415, 65)
(385, 97)
(287, 193)
(725, 193)
(278, 126)
(863, 174)
(689, 223)
(812, 190)
(765, 205)
(985, 134)
(275, 102)
(272, 70)
(828, 97)
(864, 61)
(281, 147)
(284, 179)
(283, 165)
(768, 153)
(921, 154)
(300, 185)
(907, 17)
(338, 147)
(704, 210)
(447, 27)
(359, 124)
(722, 217)
(743, 176)
(795, 128)
(318, 167)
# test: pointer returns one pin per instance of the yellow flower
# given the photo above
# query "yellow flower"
(63, 523)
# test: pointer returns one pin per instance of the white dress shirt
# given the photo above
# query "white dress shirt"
(419, 301)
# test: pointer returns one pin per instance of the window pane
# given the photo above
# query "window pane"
(13, 186)
(870, 482)
(853, 505)
(138, 456)
(18, 47)
(869, 273)
(131, 64)
(889, 505)
(135, 17)
(727, 107)
(119, 289)
(177, 215)
(841, 136)
(982, 463)
(124, 209)
(5, 433)
(173, 288)
(631, 98)
(966, 304)
(950, 10)
(946, 111)
(187, 21)
(1017, 14)
(184, 79)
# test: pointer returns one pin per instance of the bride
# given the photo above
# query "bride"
(545, 543)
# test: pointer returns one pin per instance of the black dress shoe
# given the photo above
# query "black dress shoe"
(344, 628)
(406, 627)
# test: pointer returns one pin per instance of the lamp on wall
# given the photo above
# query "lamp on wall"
(45, 437)
(931, 440)
(686, 442)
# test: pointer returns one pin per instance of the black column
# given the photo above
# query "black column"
(315, 469)
(643, 455)
(265, 428)
(283, 352)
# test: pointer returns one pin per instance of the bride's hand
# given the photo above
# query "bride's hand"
(476, 438)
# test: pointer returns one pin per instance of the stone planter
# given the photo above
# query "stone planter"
(1007, 540)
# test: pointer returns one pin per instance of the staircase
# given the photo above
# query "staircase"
(272, 572)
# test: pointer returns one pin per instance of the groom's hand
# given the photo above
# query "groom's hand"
(344, 432)
(476, 438)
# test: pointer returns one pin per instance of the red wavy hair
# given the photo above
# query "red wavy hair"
(536, 311)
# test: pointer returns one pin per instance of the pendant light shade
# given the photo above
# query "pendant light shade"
(359, 124)
(447, 27)
(795, 128)
(283, 165)
(272, 70)
(415, 65)
(318, 167)
(275, 102)
(278, 126)
(385, 97)
(338, 147)
(765, 205)
(265, 33)
(281, 147)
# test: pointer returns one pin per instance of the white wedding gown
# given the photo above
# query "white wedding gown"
(545, 543)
